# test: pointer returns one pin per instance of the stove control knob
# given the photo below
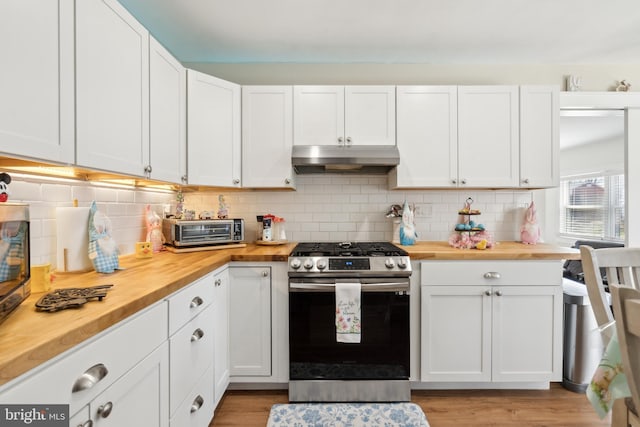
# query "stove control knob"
(295, 263)
(321, 264)
(389, 263)
(402, 263)
(308, 264)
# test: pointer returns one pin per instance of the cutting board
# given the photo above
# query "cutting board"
(204, 248)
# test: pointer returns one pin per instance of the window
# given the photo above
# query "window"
(592, 207)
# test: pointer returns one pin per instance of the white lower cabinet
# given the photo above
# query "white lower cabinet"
(250, 321)
(125, 365)
(491, 321)
(192, 316)
(221, 333)
(139, 398)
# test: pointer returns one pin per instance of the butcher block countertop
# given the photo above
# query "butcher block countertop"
(29, 338)
(502, 251)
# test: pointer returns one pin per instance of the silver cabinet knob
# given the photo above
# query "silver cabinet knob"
(148, 169)
(236, 181)
(487, 293)
(340, 140)
(525, 181)
(454, 181)
(265, 273)
(349, 141)
(218, 282)
(491, 275)
(88, 423)
(90, 377)
(105, 410)
(183, 178)
(287, 181)
(499, 293)
(197, 335)
(196, 302)
(197, 404)
(463, 181)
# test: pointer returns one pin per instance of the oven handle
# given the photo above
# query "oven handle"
(328, 287)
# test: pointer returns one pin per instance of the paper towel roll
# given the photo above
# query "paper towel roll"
(72, 226)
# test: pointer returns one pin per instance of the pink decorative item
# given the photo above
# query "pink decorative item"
(154, 230)
(530, 231)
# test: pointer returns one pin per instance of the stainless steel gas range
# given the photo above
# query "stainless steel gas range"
(323, 368)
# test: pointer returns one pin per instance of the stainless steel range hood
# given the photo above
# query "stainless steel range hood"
(364, 159)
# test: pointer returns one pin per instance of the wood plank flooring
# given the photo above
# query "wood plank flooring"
(523, 408)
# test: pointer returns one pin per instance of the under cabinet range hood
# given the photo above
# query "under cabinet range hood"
(364, 159)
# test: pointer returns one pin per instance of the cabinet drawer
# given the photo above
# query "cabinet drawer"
(190, 354)
(197, 409)
(185, 304)
(118, 349)
(547, 272)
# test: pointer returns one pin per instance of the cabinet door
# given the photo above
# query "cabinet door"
(167, 115)
(488, 136)
(370, 115)
(139, 398)
(267, 136)
(456, 333)
(198, 408)
(37, 85)
(527, 333)
(250, 321)
(221, 331)
(318, 115)
(213, 131)
(427, 137)
(112, 88)
(539, 136)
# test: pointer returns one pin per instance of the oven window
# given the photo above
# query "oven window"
(383, 352)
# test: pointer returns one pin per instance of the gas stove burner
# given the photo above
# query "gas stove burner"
(347, 249)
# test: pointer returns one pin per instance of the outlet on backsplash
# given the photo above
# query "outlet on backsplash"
(423, 210)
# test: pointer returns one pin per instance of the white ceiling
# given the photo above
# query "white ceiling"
(395, 31)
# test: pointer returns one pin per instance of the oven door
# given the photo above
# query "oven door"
(382, 354)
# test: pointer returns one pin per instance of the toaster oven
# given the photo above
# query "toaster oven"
(180, 232)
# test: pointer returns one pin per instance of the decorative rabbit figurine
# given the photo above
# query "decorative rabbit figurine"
(103, 250)
(408, 233)
(530, 231)
(154, 230)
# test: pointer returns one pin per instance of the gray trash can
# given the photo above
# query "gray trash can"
(583, 345)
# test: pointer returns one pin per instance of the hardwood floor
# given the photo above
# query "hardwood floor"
(554, 407)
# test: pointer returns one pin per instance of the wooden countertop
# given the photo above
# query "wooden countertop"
(502, 250)
(29, 338)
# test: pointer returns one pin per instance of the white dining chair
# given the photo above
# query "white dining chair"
(626, 307)
(618, 267)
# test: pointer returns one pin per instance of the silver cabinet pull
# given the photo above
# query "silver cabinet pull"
(196, 302)
(265, 273)
(197, 335)
(463, 181)
(525, 181)
(236, 181)
(90, 377)
(287, 181)
(487, 293)
(340, 140)
(491, 275)
(197, 404)
(105, 410)
(499, 293)
(148, 169)
(88, 423)
(218, 282)
(454, 181)
(183, 178)
(349, 140)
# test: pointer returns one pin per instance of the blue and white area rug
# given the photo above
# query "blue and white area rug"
(347, 415)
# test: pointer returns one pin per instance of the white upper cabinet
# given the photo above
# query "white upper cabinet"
(112, 88)
(488, 136)
(427, 137)
(338, 115)
(37, 84)
(267, 136)
(539, 136)
(213, 131)
(167, 116)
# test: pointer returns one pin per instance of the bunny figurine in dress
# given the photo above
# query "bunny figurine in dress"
(530, 231)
